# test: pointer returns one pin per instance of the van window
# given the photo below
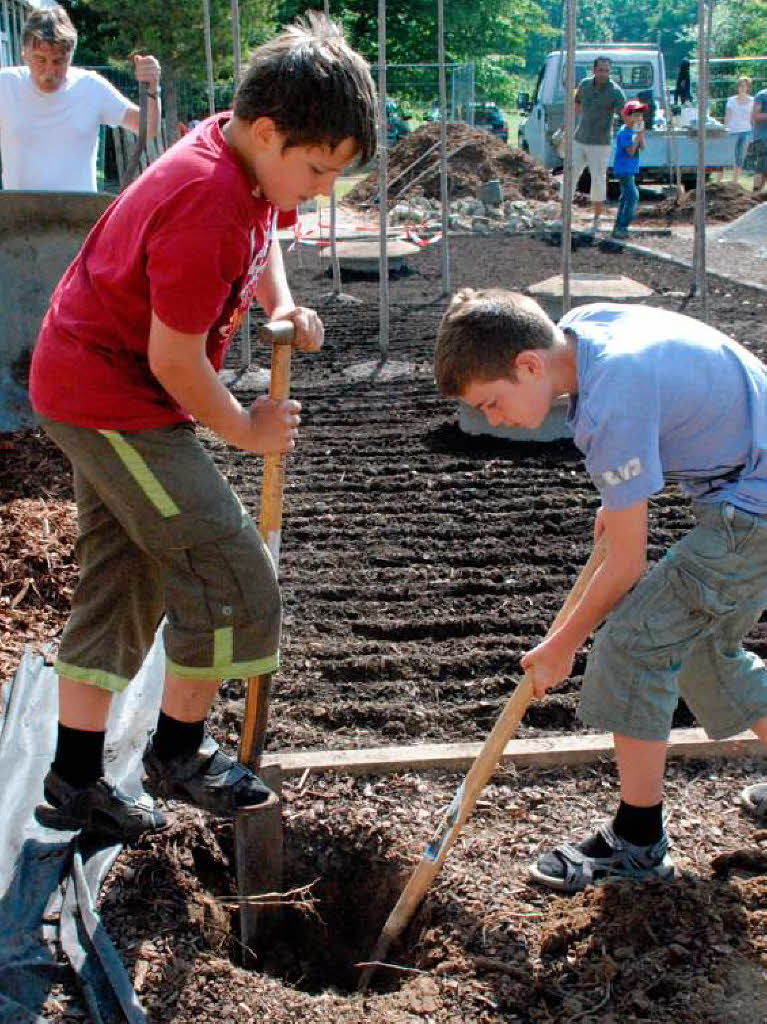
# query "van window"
(627, 76)
(538, 83)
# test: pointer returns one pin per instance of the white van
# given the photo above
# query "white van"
(640, 71)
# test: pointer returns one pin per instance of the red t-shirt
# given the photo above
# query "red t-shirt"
(189, 240)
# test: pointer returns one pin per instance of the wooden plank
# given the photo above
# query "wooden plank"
(541, 752)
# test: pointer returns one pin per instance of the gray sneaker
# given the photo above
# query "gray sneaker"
(100, 809)
(569, 869)
(207, 778)
(753, 799)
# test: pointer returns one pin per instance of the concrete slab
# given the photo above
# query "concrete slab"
(553, 428)
(586, 288)
(363, 255)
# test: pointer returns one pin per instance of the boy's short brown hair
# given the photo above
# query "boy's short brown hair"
(52, 26)
(313, 85)
(481, 335)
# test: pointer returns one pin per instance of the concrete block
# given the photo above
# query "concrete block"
(587, 288)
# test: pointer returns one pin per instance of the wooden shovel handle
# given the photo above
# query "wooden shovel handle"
(468, 792)
(280, 334)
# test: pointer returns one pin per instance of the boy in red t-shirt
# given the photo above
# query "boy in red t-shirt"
(125, 364)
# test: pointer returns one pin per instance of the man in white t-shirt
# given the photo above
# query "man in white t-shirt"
(50, 112)
(737, 119)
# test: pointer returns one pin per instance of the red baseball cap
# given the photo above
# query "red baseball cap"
(634, 107)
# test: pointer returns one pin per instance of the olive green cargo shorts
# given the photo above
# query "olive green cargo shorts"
(162, 533)
(680, 632)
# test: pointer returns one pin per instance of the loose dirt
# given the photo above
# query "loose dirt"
(481, 158)
(418, 564)
(724, 202)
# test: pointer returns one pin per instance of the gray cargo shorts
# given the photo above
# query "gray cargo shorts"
(680, 632)
(160, 532)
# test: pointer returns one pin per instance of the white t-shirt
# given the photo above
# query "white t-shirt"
(738, 115)
(49, 141)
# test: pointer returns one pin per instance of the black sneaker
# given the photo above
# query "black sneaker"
(98, 808)
(207, 778)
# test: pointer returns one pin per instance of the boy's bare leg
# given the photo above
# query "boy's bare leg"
(188, 700)
(82, 705)
(641, 764)
(184, 762)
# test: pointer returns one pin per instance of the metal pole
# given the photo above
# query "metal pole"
(208, 56)
(674, 171)
(333, 245)
(245, 347)
(699, 247)
(444, 248)
(567, 170)
(383, 199)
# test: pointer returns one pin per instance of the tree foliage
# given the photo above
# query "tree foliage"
(172, 30)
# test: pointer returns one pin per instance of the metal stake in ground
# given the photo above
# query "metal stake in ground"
(258, 830)
(468, 792)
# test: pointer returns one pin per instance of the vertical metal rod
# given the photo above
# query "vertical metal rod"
(245, 346)
(383, 185)
(208, 56)
(236, 53)
(333, 244)
(567, 170)
(443, 194)
(672, 152)
(699, 247)
(9, 33)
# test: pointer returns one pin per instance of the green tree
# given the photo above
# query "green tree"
(173, 31)
(492, 34)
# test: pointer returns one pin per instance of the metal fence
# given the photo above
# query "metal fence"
(415, 89)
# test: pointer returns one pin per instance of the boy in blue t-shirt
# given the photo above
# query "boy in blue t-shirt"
(655, 397)
(629, 141)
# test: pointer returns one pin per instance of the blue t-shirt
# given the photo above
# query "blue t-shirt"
(664, 398)
(623, 163)
(760, 106)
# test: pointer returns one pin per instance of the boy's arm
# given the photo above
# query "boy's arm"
(273, 295)
(180, 363)
(625, 532)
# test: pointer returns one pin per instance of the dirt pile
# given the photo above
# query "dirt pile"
(724, 202)
(481, 157)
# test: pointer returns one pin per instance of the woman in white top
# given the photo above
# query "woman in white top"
(737, 119)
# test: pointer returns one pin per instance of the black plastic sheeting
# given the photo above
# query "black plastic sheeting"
(50, 880)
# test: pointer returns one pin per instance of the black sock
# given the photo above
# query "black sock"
(641, 826)
(173, 737)
(79, 756)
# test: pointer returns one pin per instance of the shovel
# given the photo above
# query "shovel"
(258, 829)
(468, 792)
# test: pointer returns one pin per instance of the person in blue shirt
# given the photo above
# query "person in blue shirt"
(628, 142)
(655, 397)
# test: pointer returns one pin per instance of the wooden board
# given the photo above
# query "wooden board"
(541, 752)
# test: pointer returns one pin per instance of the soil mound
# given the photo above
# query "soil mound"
(724, 202)
(481, 157)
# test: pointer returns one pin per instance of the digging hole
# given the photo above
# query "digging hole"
(316, 950)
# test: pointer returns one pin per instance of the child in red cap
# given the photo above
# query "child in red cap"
(629, 141)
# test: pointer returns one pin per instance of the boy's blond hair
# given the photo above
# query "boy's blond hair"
(481, 335)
